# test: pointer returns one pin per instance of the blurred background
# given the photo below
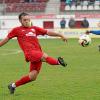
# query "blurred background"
(67, 16)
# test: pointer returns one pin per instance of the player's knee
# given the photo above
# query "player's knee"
(33, 76)
(44, 56)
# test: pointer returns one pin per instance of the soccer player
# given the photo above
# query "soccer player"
(27, 38)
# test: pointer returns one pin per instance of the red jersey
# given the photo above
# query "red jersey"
(27, 37)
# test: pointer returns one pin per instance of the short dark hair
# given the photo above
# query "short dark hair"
(22, 14)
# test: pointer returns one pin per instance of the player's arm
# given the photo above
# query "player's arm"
(63, 37)
(41, 31)
(94, 32)
(4, 41)
(11, 34)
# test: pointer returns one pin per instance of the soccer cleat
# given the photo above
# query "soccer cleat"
(11, 89)
(62, 62)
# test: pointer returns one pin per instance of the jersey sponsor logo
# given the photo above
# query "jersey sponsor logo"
(30, 34)
(33, 30)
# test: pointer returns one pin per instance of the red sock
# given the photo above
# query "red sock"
(52, 61)
(22, 81)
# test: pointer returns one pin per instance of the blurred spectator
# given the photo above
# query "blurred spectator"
(69, 2)
(63, 0)
(63, 23)
(71, 23)
(28, 1)
(85, 23)
(79, 2)
(91, 2)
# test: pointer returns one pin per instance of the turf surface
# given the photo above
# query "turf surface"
(80, 80)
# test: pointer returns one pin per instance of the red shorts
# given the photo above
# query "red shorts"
(35, 66)
(34, 56)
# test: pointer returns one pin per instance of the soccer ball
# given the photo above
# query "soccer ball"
(84, 40)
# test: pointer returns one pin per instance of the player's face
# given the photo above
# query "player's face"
(25, 21)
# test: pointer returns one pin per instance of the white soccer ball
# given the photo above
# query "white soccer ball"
(84, 40)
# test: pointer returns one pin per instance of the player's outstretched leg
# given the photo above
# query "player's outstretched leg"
(11, 89)
(62, 62)
(53, 61)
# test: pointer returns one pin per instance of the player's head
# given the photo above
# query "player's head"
(24, 19)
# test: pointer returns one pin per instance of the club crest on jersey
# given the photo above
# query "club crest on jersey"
(30, 34)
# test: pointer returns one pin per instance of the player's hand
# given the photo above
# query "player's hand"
(87, 32)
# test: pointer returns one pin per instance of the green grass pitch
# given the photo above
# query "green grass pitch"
(80, 80)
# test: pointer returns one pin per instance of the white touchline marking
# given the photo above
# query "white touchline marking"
(11, 52)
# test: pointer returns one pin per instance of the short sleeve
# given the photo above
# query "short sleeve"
(40, 31)
(12, 33)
